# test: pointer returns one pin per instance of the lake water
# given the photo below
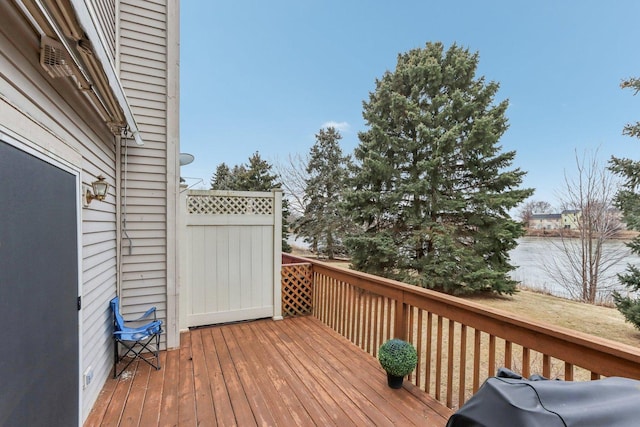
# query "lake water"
(539, 261)
(537, 258)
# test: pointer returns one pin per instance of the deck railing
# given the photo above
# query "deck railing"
(460, 343)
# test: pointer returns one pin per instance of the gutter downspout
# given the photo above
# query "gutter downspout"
(118, 215)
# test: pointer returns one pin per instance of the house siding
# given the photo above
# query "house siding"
(105, 13)
(127, 242)
(148, 261)
(51, 116)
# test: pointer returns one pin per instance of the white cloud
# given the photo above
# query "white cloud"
(340, 126)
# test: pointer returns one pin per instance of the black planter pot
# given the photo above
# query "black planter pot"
(393, 381)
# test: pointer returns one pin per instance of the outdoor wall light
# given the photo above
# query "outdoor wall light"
(100, 188)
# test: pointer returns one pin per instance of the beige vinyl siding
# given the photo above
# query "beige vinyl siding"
(52, 116)
(133, 72)
(105, 12)
(143, 73)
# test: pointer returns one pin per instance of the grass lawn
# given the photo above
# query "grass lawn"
(600, 321)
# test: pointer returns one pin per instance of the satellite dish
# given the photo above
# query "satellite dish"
(186, 158)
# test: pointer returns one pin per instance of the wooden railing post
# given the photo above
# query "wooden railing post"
(400, 322)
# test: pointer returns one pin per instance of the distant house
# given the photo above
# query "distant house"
(570, 219)
(545, 221)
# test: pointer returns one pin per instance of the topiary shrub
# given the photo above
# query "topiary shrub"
(399, 358)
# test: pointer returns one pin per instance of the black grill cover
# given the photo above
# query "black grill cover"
(512, 401)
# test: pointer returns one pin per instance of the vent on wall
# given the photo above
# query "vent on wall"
(54, 58)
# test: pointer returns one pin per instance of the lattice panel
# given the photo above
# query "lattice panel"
(229, 205)
(296, 289)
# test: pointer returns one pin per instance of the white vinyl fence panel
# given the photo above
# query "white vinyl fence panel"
(231, 256)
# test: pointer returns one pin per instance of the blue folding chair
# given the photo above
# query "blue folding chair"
(136, 340)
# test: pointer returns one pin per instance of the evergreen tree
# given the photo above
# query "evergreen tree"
(323, 223)
(257, 175)
(628, 200)
(432, 189)
(223, 178)
(253, 176)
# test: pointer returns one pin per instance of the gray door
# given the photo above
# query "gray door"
(38, 292)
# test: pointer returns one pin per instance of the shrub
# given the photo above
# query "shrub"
(398, 357)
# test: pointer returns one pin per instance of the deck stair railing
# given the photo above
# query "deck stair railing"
(460, 343)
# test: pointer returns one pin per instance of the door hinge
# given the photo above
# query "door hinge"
(79, 303)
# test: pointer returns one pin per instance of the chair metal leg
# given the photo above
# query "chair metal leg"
(157, 352)
(137, 354)
(115, 358)
(119, 358)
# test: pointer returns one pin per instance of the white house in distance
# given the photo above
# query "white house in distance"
(545, 221)
(570, 219)
(88, 88)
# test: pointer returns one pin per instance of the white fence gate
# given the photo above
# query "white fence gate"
(230, 256)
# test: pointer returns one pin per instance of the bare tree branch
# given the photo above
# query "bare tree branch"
(294, 176)
(588, 198)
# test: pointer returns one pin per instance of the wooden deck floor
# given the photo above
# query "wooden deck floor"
(295, 372)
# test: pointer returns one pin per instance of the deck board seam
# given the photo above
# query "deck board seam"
(294, 381)
(299, 367)
(418, 397)
(261, 409)
(355, 413)
(356, 394)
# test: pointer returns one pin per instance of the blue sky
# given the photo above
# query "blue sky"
(267, 75)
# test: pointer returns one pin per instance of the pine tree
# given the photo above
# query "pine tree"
(253, 176)
(257, 175)
(223, 178)
(432, 189)
(628, 200)
(323, 223)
